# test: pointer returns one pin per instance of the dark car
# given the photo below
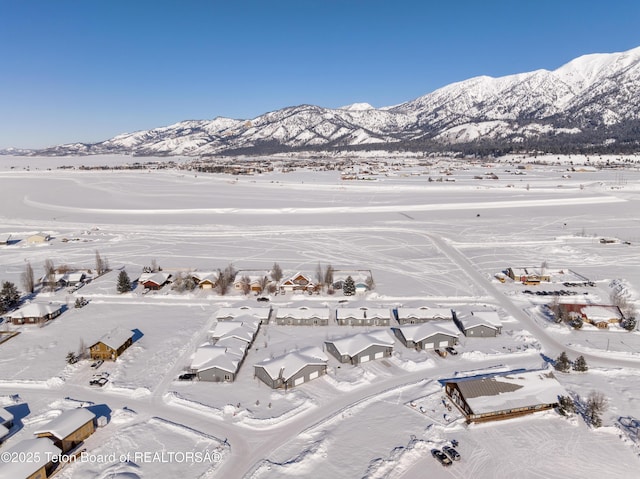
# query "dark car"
(187, 377)
(441, 457)
(451, 351)
(263, 298)
(451, 452)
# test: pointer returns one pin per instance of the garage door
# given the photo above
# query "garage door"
(314, 375)
(298, 381)
(429, 346)
(379, 355)
(364, 359)
(443, 344)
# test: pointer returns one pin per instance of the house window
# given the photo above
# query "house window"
(227, 377)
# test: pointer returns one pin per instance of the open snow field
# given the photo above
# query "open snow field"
(434, 243)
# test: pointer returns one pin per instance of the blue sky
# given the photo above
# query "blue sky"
(88, 70)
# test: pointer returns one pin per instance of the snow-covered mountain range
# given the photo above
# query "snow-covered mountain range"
(595, 98)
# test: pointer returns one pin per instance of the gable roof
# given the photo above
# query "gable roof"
(420, 332)
(425, 312)
(288, 365)
(352, 345)
(302, 313)
(214, 356)
(66, 423)
(158, 278)
(41, 450)
(115, 338)
(260, 313)
(490, 319)
(509, 390)
(35, 310)
(363, 313)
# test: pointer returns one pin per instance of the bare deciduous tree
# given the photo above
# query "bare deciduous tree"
(276, 272)
(50, 274)
(28, 282)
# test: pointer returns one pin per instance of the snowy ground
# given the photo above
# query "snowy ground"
(427, 243)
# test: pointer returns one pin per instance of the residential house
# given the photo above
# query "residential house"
(529, 275)
(35, 313)
(598, 315)
(69, 429)
(361, 348)
(479, 324)
(228, 314)
(293, 369)
(362, 279)
(302, 316)
(218, 363)
(154, 281)
(298, 282)
(42, 454)
(422, 314)
(504, 395)
(433, 335)
(363, 316)
(255, 281)
(205, 279)
(112, 345)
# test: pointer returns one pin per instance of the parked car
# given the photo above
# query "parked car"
(187, 377)
(263, 298)
(441, 457)
(441, 352)
(452, 351)
(97, 364)
(451, 452)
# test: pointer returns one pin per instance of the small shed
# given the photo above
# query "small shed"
(69, 429)
(111, 345)
(293, 369)
(42, 452)
(38, 238)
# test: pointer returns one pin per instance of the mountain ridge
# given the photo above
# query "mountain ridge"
(593, 100)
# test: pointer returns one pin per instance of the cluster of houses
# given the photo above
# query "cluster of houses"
(421, 328)
(258, 281)
(40, 457)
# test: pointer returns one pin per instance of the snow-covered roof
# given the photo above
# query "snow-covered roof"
(602, 313)
(5, 416)
(510, 391)
(39, 450)
(425, 312)
(289, 364)
(233, 329)
(352, 345)
(4, 431)
(490, 319)
(66, 423)
(419, 332)
(116, 337)
(260, 313)
(358, 276)
(158, 278)
(302, 313)
(363, 313)
(205, 276)
(233, 345)
(35, 310)
(214, 356)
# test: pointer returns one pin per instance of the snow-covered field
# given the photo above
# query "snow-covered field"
(430, 243)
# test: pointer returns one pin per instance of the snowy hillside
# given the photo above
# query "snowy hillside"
(591, 95)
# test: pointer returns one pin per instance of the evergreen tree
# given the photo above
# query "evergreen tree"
(595, 406)
(124, 283)
(566, 405)
(562, 363)
(629, 324)
(580, 364)
(9, 296)
(349, 287)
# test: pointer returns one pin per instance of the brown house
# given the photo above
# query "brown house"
(41, 464)
(35, 313)
(69, 429)
(111, 345)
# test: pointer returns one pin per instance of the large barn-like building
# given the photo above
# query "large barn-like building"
(504, 396)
